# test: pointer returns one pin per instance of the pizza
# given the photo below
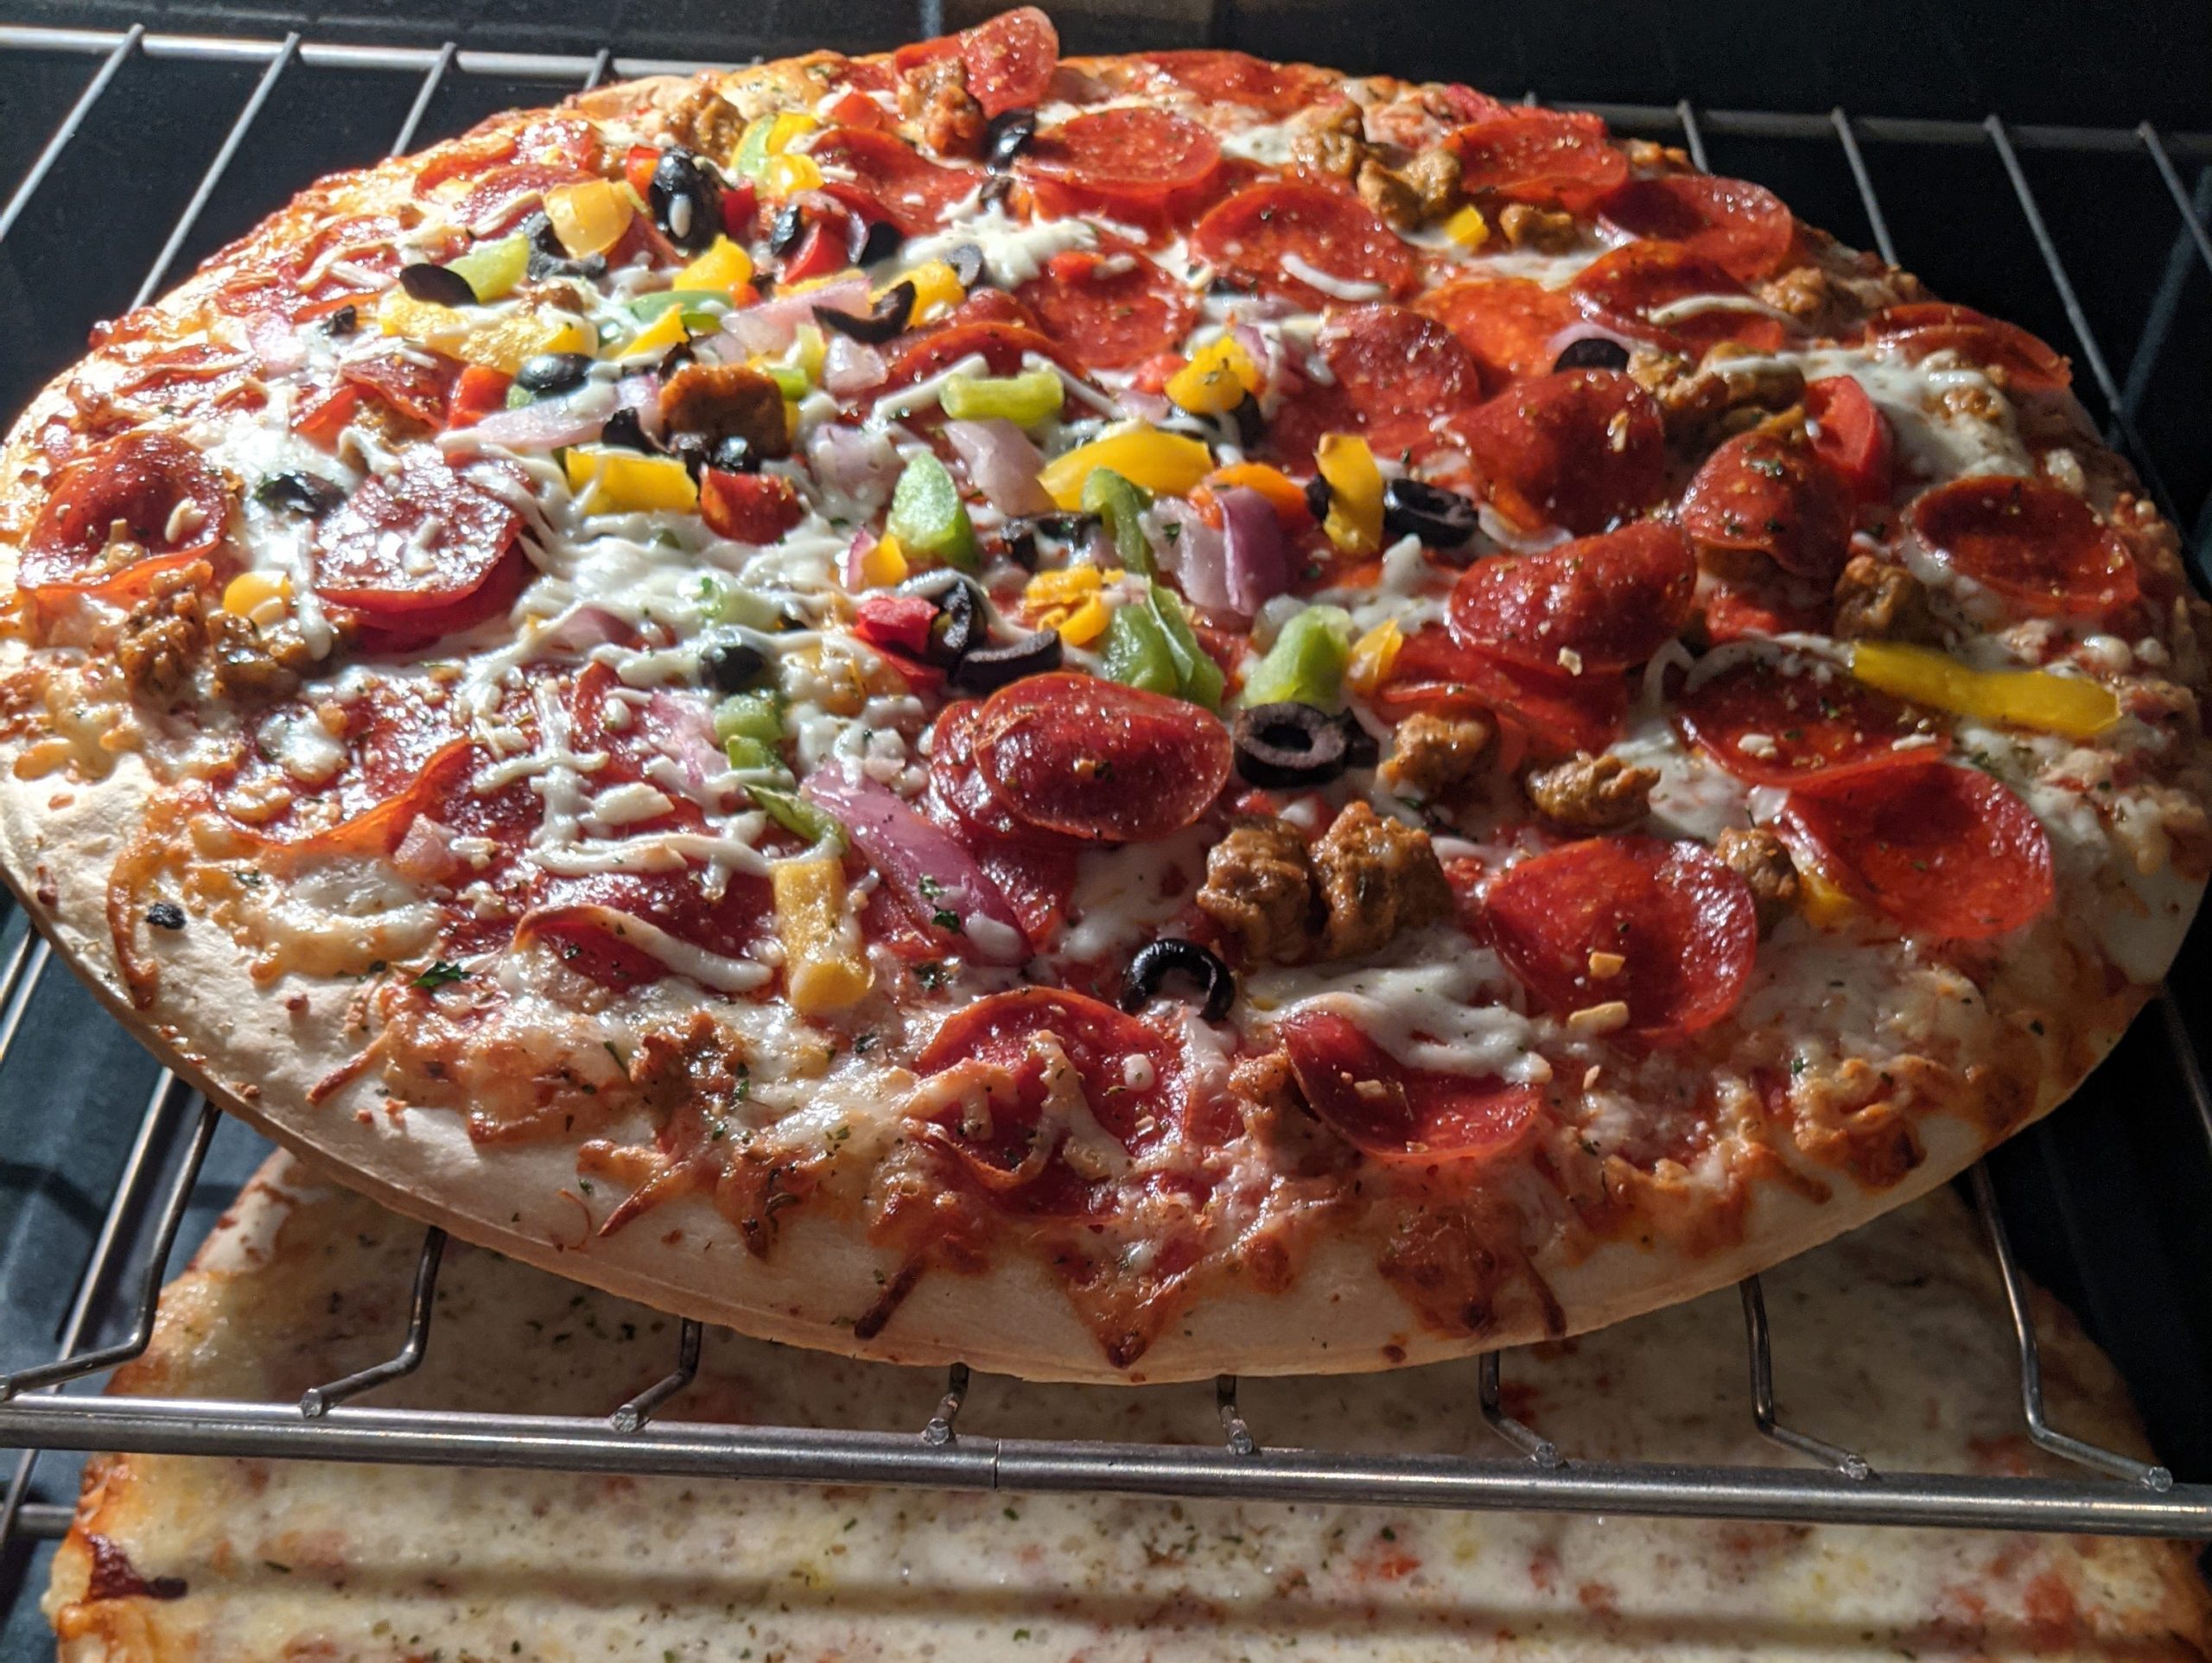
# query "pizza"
(251, 1560)
(1119, 717)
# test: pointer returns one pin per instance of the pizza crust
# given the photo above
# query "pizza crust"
(245, 1046)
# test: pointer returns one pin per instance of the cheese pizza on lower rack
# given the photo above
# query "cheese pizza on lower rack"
(1120, 717)
(1894, 1339)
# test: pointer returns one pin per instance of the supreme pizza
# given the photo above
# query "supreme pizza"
(256, 1561)
(1118, 717)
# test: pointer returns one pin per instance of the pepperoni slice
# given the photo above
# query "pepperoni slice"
(1239, 77)
(588, 920)
(1741, 227)
(1010, 59)
(1558, 711)
(1111, 306)
(1009, 1039)
(496, 201)
(1396, 1113)
(956, 782)
(172, 505)
(1763, 603)
(1761, 494)
(1682, 924)
(1852, 435)
(406, 550)
(1508, 324)
(1581, 449)
(1766, 725)
(1598, 603)
(1945, 851)
(416, 388)
(1552, 157)
(1262, 237)
(1132, 155)
(2031, 542)
(1925, 327)
(1096, 761)
(1397, 368)
(913, 191)
(1679, 300)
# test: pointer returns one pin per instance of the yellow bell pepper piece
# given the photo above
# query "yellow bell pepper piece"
(2072, 705)
(936, 289)
(1063, 588)
(589, 217)
(1373, 656)
(787, 128)
(1082, 623)
(1219, 377)
(1165, 464)
(824, 968)
(260, 597)
(721, 267)
(885, 564)
(504, 344)
(400, 313)
(1467, 227)
(1355, 519)
(664, 332)
(1824, 906)
(610, 480)
(785, 175)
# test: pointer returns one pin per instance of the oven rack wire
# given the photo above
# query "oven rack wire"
(1833, 1485)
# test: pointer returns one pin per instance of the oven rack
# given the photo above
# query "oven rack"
(2125, 1497)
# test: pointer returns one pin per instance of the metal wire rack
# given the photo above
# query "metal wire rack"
(1837, 1485)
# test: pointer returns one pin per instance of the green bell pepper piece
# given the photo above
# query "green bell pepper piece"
(748, 755)
(494, 269)
(1197, 677)
(1137, 653)
(752, 149)
(798, 816)
(1307, 663)
(928, 517)
(755, 716)
(1117, 502)
(1033, 397)
(789, 379)
(702, 306)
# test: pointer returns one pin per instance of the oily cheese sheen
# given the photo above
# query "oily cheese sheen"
(270, 1560)
(1117, 717)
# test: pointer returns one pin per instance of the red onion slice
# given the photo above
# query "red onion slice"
(771, 325)
(549, 423)
(1002, 464)
(922, 863)
(1256, 563)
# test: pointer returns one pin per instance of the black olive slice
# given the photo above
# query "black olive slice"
(549, 257)
(963, 624)
(885, 321)
(1251, 425)
(873, 241)
(1591, 352)
(1361, 748)
(1004, 138)
(967, 263)
(786, 230)
(344, 321)
(625, 431)
(1290, 745)
(1440, 518)
(1316, 497)
(733, 453)
(441, 285)
(686, 200)
(733, 666)
(308, 493)
(553, 372)
(996, 189)
(989, 669)
(1172, 955)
